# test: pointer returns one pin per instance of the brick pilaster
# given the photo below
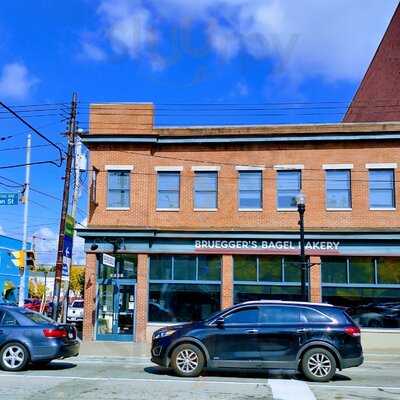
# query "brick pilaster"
(142, 295)
(315, 278)
(227, 281)
(90, 297)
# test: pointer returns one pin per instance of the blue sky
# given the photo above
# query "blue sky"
(220, 52)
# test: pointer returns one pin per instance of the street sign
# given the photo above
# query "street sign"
(9, 199)
(69, 226)
(67, 255)
(108, 260)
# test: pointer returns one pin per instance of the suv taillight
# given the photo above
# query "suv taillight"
(55, 333)
(353, 331)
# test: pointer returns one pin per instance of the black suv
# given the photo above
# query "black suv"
(314, 338)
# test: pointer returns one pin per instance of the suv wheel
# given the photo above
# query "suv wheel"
(187, 360)
(14, 357)
(318, 365)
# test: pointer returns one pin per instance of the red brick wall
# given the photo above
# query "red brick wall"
(227, 281)
(315, 279)
(90, 297)
(143, 212)
(142, 294)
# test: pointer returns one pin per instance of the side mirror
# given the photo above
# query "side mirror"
(219, 322)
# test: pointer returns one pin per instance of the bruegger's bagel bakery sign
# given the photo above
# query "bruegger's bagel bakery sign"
(267, 246)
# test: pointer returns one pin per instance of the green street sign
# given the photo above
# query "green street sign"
(9, 199)
(69, 226)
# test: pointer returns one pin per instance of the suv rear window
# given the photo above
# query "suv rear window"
(314, 316)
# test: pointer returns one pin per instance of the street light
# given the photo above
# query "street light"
(301, 208)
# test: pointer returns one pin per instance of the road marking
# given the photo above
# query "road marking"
(283, 389)
(322, 385)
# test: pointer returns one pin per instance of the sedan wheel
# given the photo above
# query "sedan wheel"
(318, 365)
(13, 357)
(187, 360)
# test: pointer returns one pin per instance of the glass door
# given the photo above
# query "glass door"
(116, 311)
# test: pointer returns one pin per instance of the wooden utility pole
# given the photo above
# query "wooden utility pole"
(64, 208)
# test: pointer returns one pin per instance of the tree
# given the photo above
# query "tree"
(77, 280)
(36, 289)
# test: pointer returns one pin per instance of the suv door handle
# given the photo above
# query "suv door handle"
(302, 330)
(251, 331)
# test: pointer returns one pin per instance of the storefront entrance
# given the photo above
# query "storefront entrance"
(116, 311)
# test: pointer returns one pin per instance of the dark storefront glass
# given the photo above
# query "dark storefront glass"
(125, 268)
(292, 269)
(334, 269)
(389, 271)
(266, 292)
(174, 302)
(198, 297)
(245, 268)
(270, 269)
(361, 270)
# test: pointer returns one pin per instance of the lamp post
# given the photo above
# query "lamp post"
(301, 208)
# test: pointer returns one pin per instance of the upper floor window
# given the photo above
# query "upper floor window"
(206, 189)
(168, 188)
(288, 187)
(250, 190)
(118, 189)
(338, 189)
(381, 189)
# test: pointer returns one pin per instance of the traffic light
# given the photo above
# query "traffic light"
(30, 260)
(18, 258)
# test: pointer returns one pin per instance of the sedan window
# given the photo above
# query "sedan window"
(8, 320)
(38, 318)
(243, 316)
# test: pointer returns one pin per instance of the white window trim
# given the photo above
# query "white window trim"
(337, 166)
(206, 209)
(167, 168)
(339, 209)
(117, 208)
(284, 167)
(250, 167)
(382, 208)
(381, 166)
(119, 167)
(206, 168)
(287, 209)
(250, 209)
(168, 209)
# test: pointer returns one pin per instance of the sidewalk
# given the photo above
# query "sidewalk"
(115, 349)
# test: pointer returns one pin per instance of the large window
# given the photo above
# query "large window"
(338, 189)
(288, 187)
(118, 195)
(125, 268)
(168, 188)
(369, 288)
(266, 277)
(184, 287)
(206, 189)
(250, 190)
(381, 188)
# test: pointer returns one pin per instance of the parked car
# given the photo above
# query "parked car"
(34, 305)
(314, 338)
(27, 336)
(75, 311)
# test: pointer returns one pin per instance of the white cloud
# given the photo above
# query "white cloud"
(16, 81)
(93, 52)
(2, 231)
(308, 38)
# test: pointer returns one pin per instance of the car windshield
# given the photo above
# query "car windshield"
(38, 318)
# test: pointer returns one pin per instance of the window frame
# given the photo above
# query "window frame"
(349, 190)
(300, 184)
(116, 170)
(249, 171)
(168, 172)
(198, 173)
(393, 189)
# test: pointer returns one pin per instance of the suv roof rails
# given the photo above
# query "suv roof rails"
(287, 302)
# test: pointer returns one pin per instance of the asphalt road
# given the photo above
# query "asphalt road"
(137, 378)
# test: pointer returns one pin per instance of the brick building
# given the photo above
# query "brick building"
(199, 218)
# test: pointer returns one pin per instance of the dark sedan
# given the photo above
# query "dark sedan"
(27, 336)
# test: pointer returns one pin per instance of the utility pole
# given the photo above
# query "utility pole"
(64, 208)
(75, 197)
(23, 275)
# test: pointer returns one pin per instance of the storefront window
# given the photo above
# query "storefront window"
(292, 269)
(334, 270)
(174, 302)
(196, 299)
(125, 268)
(361, 270)
(245, 268)
(270, 269)
(389, 271)
(244, 293)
